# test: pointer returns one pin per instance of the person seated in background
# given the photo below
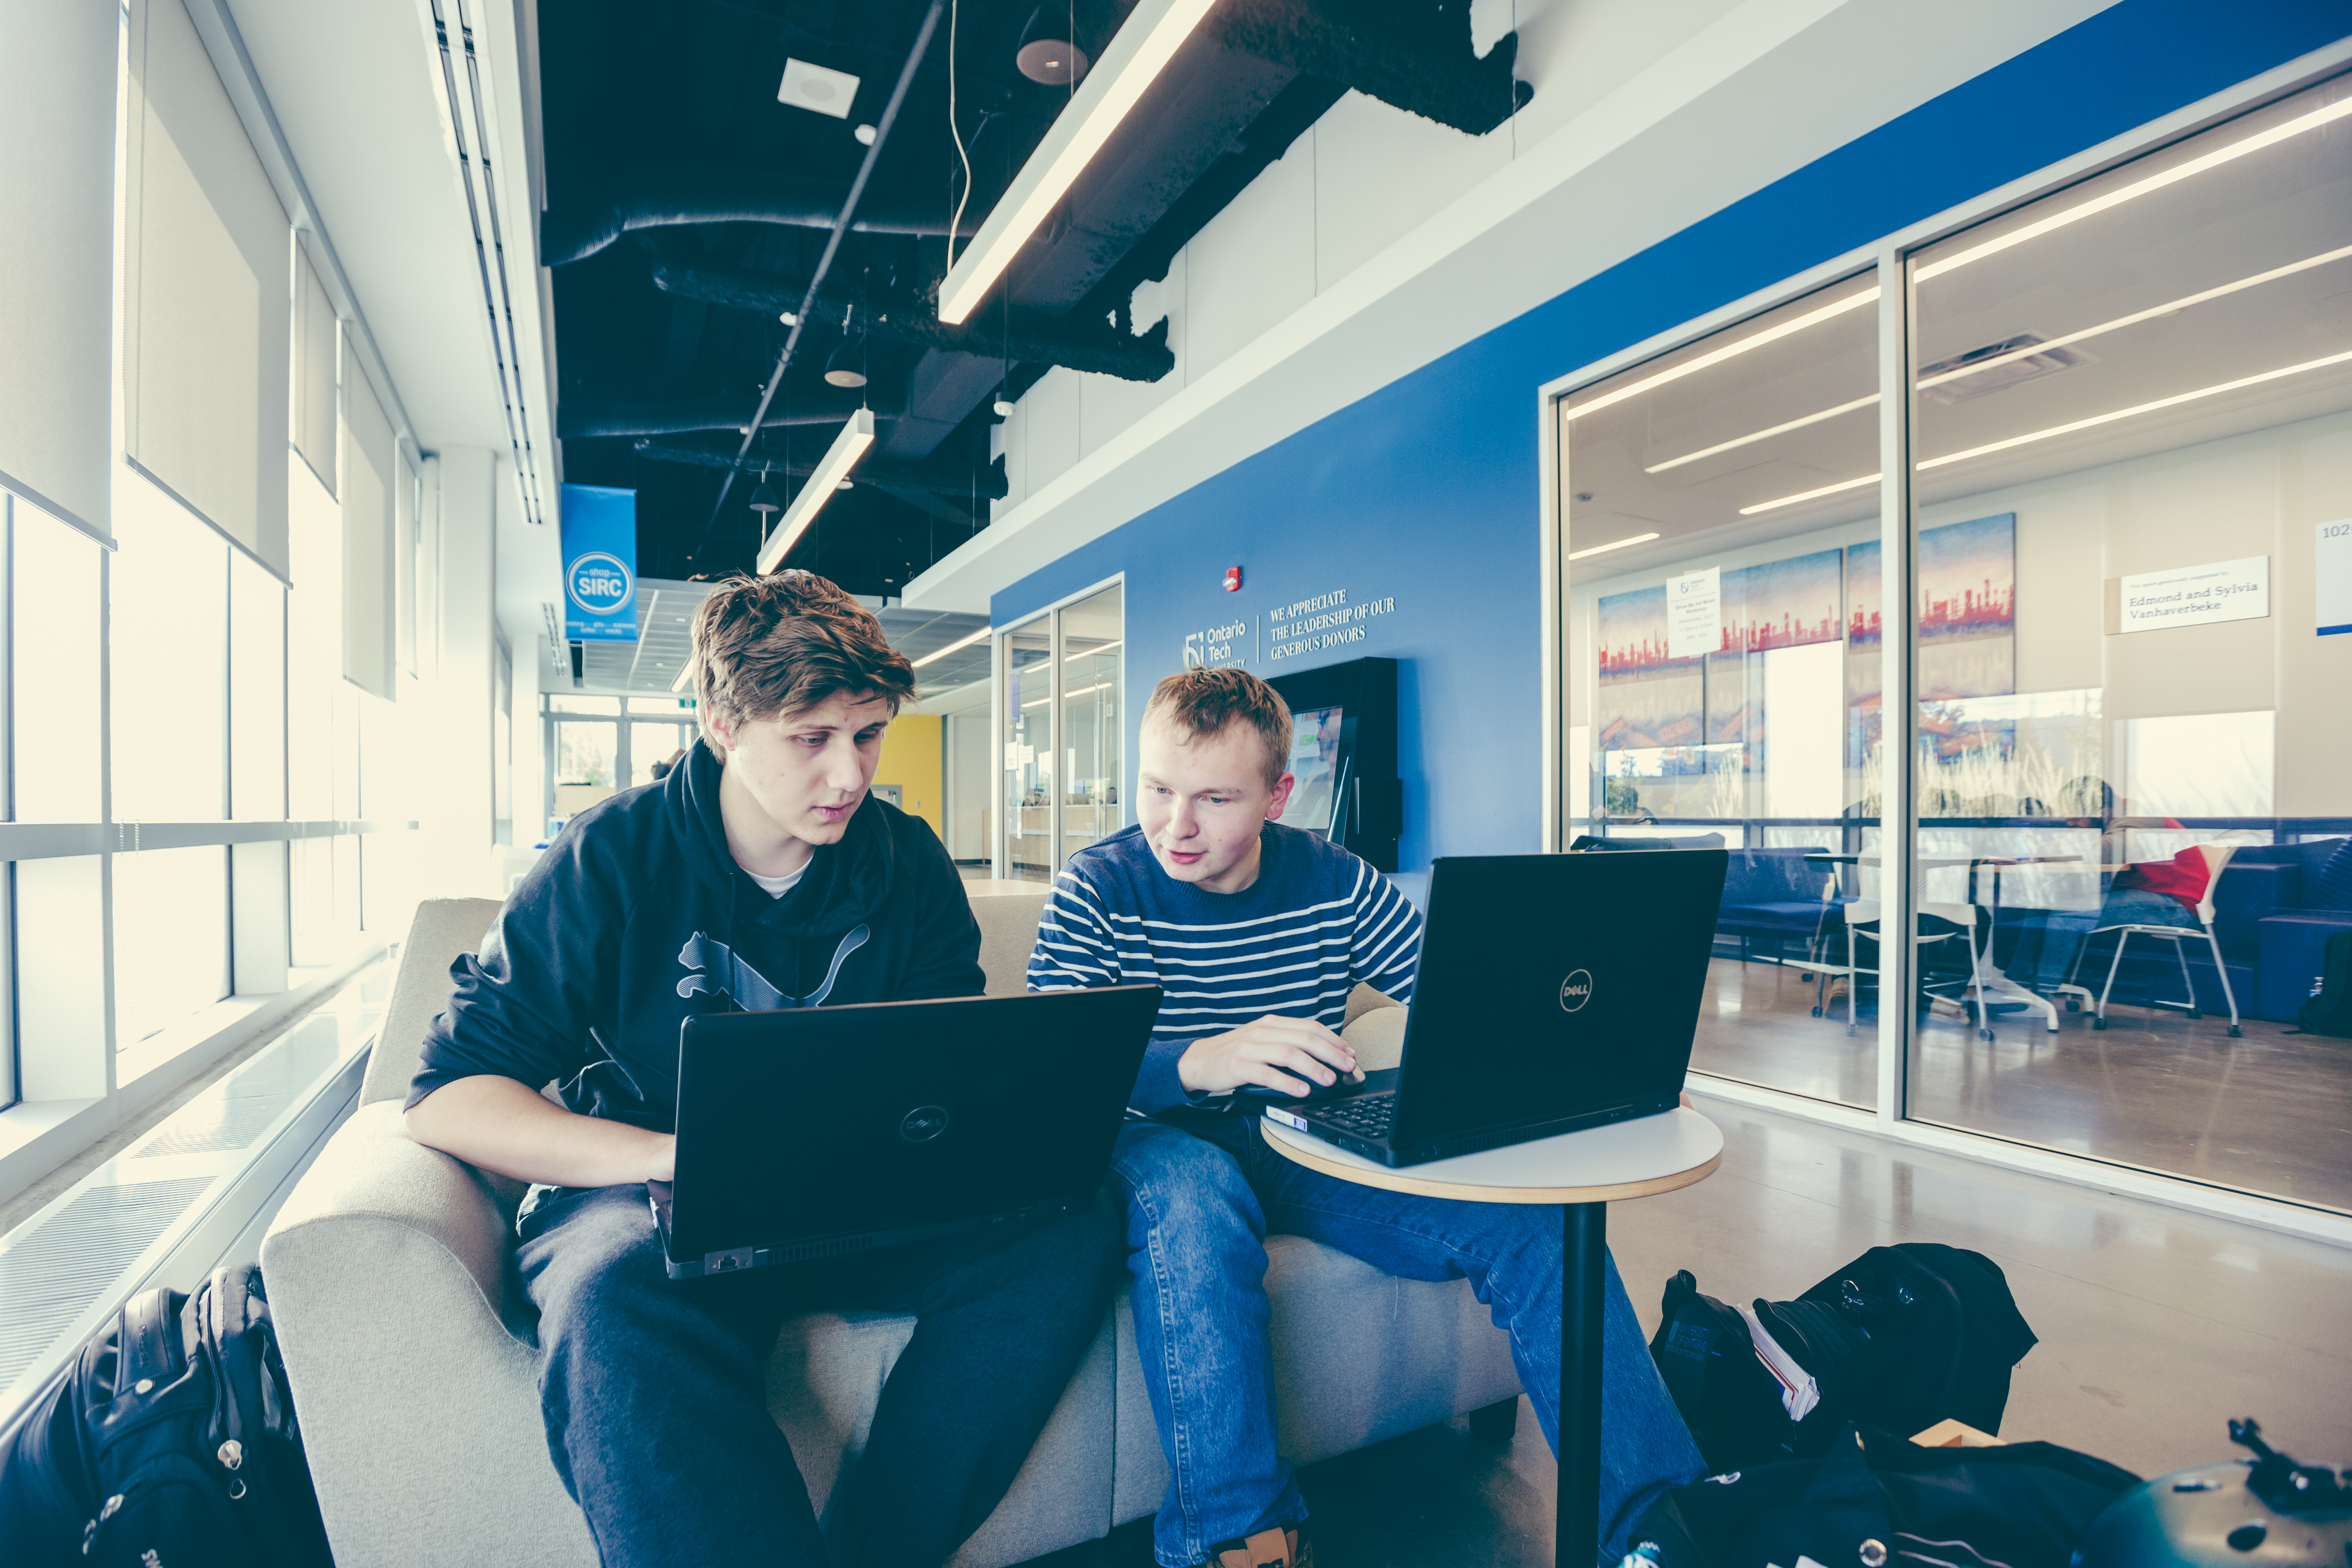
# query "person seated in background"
(1258, 932)
(761, 873)
(2149, 893)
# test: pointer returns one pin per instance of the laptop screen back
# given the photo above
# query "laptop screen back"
(1555, 985)
(832, 1122)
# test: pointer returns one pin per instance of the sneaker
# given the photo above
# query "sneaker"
(1285, 1546)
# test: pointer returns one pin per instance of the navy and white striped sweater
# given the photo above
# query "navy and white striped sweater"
(1295, 942)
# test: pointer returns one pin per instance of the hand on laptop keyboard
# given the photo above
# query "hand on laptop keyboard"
(1287, 1056)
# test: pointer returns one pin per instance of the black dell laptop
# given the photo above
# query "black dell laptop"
(812, 1132)
(1556, 992)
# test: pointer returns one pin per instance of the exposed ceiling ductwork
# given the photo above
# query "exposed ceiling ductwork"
(574, 233)
(584, 419)
(683, 135)
(1018, 335)
(1413, 54)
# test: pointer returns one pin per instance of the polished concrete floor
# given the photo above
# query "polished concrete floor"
(2156, 1326)
(2270, 1113)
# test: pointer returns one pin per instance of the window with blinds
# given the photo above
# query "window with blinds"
(206, 284)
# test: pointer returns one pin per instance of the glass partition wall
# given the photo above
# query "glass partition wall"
(2087, 650)
(1061, 718)
(2135, 752)
(1717, 693)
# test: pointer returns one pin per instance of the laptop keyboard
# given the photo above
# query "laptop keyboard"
(1365, 1116)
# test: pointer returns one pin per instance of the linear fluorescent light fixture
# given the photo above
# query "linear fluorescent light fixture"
(2170, 308)
(831, 470)
(956, 646)
(1613, 545)
(1771, 334)
(1784, 429)
(1140, 48)
(2323, 115)
(1081, 691)
(2175, 401)
(1839, 487)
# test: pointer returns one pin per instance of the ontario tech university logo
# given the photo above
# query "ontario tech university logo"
(1576, 990)
(600, 583)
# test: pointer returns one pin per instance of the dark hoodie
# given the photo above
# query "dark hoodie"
(638, 918)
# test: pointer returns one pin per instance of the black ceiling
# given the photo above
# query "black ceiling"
(687, 206)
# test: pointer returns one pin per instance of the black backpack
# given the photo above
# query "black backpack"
(1901, 1338)
(170, 1438)
(1872, 1499)
(2329, 1011)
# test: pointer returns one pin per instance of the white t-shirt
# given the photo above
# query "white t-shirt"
(777, 886)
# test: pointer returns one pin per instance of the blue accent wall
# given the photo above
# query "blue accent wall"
(1426, 490)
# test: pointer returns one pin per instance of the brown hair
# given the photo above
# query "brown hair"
(1204, 702)
(785, 644)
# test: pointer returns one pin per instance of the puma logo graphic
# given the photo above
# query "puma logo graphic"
(714, 969)
(718, 971)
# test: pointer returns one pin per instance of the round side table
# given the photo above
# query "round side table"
(1582, 1172)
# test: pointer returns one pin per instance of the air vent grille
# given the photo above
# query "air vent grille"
(72, 1257)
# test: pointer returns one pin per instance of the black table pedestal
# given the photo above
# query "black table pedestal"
(1584, 1270)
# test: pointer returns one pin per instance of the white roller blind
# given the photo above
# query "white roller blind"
(57, 254)
(316, 336)
(206, 291)
(370, 463)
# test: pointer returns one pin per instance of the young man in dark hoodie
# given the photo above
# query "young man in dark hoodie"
(760, 874)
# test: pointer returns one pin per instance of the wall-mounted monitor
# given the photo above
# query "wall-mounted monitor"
(1343, 753)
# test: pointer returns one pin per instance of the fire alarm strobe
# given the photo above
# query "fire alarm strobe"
(1233, 579)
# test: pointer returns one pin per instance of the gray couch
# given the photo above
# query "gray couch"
(410, 1347)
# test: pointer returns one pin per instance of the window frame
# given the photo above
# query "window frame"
(1891, 258)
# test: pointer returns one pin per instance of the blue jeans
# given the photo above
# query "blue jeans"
(2046, 947)
(1198, 1209)
(654, 1395)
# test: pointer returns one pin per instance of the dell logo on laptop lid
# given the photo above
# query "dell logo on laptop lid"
(1576, 990)
(923, 1123)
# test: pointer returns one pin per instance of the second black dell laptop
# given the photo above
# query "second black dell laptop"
(1556, 992)
(812, 1132)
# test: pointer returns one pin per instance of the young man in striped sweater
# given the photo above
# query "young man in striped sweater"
(1258, 932)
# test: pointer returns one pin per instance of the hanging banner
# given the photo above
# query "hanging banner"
(600, 564)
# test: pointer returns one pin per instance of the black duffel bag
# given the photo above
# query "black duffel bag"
(1899, 1339)
(169, 1439)
(1877, 1501)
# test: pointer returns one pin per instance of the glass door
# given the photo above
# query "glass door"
(1060, 716)
(1091, 634)
(1028, 667)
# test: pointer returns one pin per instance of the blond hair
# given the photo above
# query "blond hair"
(1204, 702)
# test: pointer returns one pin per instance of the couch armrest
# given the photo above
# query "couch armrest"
(371, 1170)
(390, 1285)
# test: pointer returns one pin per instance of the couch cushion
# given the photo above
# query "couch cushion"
(1008, 934)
